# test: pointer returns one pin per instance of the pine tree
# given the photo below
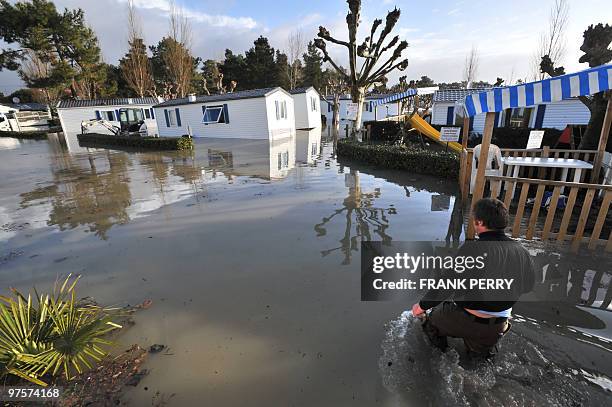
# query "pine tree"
(234, 69)
(313, 74)
(61, 48)
(168, 83)
(282, 71)
(260, 65)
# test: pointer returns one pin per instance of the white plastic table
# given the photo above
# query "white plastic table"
(564, 163)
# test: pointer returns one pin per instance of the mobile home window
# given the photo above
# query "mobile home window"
(109, 115)
(313, 104)
(172, 118)
(147, 113)
(283, 160)
(134, 115)
(213, 114)
(281, 109)
(519, 117)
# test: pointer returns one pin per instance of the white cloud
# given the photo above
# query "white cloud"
(246, 23)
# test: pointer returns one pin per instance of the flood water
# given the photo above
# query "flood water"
(249, 251)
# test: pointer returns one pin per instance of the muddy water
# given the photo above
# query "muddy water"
(249, 251)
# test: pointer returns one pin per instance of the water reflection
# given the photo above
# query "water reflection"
(8, 143)
(93, 192)
(308, 145)
(362, 219)
(574, 279)
(99, 188)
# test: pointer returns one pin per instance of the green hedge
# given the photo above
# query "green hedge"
(34, 135)
(439, 163)
(155, 143)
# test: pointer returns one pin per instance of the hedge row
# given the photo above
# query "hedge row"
(155, 143)
(439, 163)
(34, 135)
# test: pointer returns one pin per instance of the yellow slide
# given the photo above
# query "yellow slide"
(423, 127)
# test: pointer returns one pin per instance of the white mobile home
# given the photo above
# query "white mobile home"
(73, 112)
(24, 117)
(443, 111)
(371, 111)
(249, 114)
(552, 115)
(307, 105)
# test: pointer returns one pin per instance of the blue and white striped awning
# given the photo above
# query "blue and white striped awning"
(395, 97)
(587, 82)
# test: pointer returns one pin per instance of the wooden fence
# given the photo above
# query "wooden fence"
(556, 223)
(528, 172)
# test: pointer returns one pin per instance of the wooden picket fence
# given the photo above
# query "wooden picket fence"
(555, 224)
(578, 225)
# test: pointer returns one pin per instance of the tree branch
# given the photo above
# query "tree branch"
(324, 33)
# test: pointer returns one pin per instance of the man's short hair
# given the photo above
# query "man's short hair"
(492, 213)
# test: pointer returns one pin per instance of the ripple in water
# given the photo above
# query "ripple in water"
(521, 375)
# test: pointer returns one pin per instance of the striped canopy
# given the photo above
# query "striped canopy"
(395, 97)
(405, 95)
(587, 82)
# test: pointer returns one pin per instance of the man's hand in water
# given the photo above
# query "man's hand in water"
(417, 311)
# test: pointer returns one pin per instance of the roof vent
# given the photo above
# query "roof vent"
(191, 97)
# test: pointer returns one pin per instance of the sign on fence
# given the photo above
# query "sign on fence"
(351, 111)
(450, 134)
(535, 139)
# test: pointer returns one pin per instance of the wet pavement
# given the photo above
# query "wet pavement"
(249, 251)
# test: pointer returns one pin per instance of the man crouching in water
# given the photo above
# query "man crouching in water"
(480, 317)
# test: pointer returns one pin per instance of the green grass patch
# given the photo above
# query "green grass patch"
(440, 163)
(153, 143)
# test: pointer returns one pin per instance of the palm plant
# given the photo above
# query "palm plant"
(53, 334)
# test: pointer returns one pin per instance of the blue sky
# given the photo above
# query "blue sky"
(440, 33)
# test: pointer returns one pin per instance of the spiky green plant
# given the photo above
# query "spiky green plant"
(53, 334)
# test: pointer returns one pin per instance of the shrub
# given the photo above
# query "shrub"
(386, 131)
(155, 143)
(440, 163)
(51, 334)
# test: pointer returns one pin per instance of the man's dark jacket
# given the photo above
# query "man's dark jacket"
(505, 258)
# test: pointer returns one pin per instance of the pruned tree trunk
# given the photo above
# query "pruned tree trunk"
(336, 113)
(359, 98)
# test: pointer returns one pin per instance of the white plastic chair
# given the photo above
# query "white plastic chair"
(494, 156)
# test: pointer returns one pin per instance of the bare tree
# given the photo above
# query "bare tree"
(335, 87)
(470, 70)
(296, 45)
(363, 75)
(34, 72)
(178, 59)
(135, 66)
(552, 42)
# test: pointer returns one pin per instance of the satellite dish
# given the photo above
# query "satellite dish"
(16, 100)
